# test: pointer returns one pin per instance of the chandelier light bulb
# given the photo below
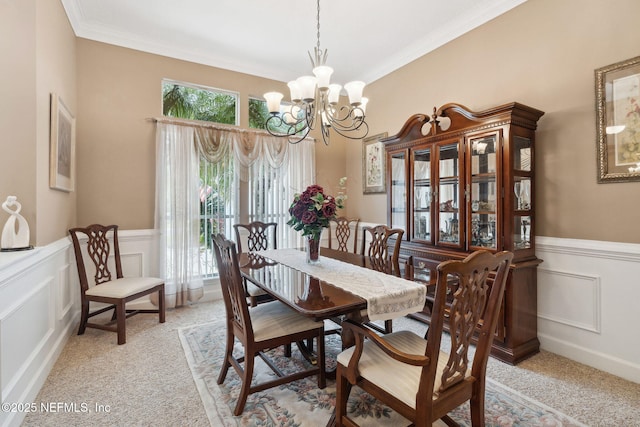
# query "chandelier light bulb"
(354, 90)
(334, 93)
(362, 108)
(323, 74)
(295, 91)
(307, 87)
(273, 101)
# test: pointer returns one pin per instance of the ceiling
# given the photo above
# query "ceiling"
(365, 39)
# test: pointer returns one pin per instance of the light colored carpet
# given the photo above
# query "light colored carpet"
(147, 382)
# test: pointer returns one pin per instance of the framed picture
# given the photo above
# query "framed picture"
(373, 165)
(618, 115)
(62, 146)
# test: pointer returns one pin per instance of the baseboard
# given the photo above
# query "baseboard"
(604, 362)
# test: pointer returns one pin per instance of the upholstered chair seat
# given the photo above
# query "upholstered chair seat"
(375, 366)
(274, 319)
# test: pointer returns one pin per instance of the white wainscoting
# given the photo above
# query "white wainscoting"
(588, 303)
(38, 307)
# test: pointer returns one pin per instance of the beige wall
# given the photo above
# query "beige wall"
(37, 47)
(55, 73)
(543, 53)
(17, 107)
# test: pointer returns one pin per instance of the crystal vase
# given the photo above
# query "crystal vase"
(313, 249)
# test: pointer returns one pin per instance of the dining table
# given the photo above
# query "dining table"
(341, 285)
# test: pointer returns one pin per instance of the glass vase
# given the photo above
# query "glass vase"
(313, 249)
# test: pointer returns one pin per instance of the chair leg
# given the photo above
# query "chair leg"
(228, 354)
(476, 404)
(249, 360)
(84, 317)
(121, 319)
(343, 389)
(322, 379)
(388, 326)
(161, 307)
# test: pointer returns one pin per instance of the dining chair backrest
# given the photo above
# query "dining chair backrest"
(340, 234)
(468, 301)
(233, 291)
(377, 249)
(258, 236)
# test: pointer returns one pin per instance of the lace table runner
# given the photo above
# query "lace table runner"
(387, 296)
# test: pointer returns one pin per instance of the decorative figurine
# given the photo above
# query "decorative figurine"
(13, 240)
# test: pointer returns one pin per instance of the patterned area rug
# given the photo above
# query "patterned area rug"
(302, 404)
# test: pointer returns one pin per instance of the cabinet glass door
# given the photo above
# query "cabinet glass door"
(483, 192)
(422, 194)
(522, 193)
(449, 194)
(522, 212)
(398, 190)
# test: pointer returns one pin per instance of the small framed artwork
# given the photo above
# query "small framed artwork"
(373, 165)
(618, 121)
(62, 146)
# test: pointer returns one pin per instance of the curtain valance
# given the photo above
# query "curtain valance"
(213, 141)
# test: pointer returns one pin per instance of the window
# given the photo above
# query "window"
(225, 199)
(188, 101)
(258, 113)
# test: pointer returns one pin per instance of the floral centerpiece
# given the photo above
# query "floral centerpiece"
(311, 211)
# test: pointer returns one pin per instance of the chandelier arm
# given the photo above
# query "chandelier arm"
(344, 118)
(363, 128)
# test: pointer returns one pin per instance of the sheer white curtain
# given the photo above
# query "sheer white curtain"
(274, 169)
(178, 213)
(279, 181)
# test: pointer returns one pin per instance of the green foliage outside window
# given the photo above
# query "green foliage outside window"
(198, 104)
(193, 103)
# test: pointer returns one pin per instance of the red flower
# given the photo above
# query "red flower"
(329, 208)
(312, 210)
(309, 217)
(314, 189)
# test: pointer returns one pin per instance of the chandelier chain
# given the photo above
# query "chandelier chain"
(318, 23)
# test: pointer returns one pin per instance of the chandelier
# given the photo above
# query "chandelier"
(314, 98)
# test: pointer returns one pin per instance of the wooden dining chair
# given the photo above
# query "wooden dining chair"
(428, 383)
(381, 258)
(340, 232)
(257, 236)
(105, 288)
(266, 326)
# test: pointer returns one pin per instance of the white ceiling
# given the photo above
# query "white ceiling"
(366, 39)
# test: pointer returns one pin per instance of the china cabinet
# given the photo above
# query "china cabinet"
(460, 181)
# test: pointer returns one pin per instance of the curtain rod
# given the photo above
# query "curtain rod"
(211, 125)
